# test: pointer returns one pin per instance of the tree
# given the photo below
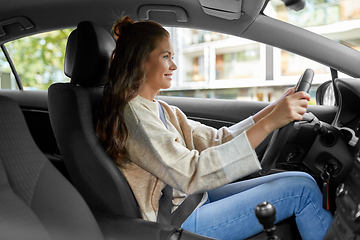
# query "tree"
(39, 59)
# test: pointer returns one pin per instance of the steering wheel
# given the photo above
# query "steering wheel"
(281, 135)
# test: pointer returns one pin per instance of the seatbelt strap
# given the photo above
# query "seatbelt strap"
(165, 205)
(165, 202)
(185, 209)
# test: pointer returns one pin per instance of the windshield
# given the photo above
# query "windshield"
(338, 20)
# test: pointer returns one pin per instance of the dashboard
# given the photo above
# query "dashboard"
(316, 147)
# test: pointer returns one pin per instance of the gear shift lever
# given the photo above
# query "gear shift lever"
(265, 213)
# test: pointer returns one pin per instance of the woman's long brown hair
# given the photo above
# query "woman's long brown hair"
(135, 42)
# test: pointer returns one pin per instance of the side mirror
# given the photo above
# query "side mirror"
(325, 94)
(296, 5)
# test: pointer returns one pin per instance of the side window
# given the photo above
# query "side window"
(215, 65)
(7, 78)
(39, 59)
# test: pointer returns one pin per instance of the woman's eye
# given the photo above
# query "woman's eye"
(166, 56)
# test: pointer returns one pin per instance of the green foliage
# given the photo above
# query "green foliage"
(39, 59)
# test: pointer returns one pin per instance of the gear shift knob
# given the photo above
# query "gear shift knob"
(265, 213)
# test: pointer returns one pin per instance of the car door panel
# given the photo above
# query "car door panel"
(218, 112)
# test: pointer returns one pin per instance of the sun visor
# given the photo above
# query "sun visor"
(227, 9)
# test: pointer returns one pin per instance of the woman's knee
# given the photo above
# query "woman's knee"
(300, 187)
(305, 182)
(307, 190)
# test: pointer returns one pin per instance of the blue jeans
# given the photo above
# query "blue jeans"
(229, 211)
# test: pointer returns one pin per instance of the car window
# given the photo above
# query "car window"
(39, 59)
(215, 65)
(338, 20)
(7, 78)
(210, 65)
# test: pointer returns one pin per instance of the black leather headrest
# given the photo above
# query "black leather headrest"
(87, 55)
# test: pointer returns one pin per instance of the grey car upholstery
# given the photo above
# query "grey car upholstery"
(73, 107)
(37, 202)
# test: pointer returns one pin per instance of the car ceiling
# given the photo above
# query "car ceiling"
(56, 14)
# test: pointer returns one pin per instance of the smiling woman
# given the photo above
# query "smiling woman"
(167, 158)
(254, 57)
(127, 76)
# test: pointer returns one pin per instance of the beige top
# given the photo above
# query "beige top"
(189, 156)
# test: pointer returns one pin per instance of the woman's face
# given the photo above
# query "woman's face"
(160, 66)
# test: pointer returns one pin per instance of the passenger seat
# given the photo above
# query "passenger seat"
(36, 201)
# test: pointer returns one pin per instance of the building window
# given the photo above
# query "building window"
(196, 73)
(239, 64)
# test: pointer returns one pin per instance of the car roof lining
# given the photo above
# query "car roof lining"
(252, 24)
(74, 13)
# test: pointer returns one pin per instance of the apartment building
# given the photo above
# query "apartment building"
(213, 65)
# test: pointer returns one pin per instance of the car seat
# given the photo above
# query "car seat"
(37, 202)
(72, 109)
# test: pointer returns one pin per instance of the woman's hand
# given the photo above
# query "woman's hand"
(284, 95)
(289, 107)
(264, 112)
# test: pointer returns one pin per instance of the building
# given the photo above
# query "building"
(214, 65)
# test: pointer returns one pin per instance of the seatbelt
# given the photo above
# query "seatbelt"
(185, 209)
(165, 203)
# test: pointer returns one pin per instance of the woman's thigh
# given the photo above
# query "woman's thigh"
(233, 217)
(237, 187)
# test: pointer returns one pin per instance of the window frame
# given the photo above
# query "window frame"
(12, 67)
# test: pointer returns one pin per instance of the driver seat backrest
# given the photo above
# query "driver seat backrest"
(36, 201)
(73, 108)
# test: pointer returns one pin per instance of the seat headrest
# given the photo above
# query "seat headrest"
(87, 55)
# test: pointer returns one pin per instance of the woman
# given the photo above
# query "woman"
(191, 157)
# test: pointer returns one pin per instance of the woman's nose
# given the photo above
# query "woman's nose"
(173, 66)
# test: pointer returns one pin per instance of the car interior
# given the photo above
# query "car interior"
(58, 181)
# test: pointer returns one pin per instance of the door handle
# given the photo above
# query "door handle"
(145, 10)
(24, 24)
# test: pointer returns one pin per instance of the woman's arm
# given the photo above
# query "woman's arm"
(172, 154)
(291, 106)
